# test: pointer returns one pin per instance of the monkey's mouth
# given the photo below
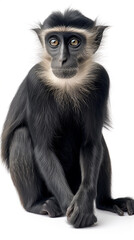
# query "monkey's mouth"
(65, 73)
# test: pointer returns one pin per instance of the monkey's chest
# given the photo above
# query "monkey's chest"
(66, 143)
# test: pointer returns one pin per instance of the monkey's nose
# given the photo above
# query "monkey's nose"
(63, 54)
(62, 60)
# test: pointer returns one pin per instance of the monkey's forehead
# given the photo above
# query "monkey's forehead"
(86, 33)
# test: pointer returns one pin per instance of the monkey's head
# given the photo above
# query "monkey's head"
(69, 41)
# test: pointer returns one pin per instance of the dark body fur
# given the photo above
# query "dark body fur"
(57, 156)
(35, 109)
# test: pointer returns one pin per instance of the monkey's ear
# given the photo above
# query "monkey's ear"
(38, 32)
(98, 34)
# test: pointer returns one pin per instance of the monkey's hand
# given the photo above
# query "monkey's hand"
(80, 212)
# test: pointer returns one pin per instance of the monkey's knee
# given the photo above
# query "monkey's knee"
(20, 141)
(20, 153)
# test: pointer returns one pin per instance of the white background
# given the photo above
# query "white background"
(19, 50)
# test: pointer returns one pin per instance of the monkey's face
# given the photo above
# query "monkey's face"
(67, 52)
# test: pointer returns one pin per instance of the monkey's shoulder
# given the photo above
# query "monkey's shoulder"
(33, 73)
(100, 72)
(34, 79)
(101, 77)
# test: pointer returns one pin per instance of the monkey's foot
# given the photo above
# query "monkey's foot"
(119, 206)
(51, 208)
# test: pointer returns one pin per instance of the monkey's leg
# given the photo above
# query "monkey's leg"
(104, 200)
(32, 191)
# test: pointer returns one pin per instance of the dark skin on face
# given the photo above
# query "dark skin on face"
(65, 48)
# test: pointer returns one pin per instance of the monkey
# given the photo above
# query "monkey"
(52, 141)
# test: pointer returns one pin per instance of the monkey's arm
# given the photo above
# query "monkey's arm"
(91, 149)
(90, 160)
(80, 212)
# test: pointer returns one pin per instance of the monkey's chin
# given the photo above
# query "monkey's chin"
(64, 73)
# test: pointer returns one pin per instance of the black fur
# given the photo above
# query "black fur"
(71, 18)
(57, 156)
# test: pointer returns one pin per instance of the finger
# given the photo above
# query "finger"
(70, 210)
(47, 210)
(88, 221)
(75, 215)
(95, 219)
(130, 207)
(78, 222)
(118, 210)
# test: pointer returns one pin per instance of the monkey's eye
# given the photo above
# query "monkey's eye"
(74, 42)
(54, 42)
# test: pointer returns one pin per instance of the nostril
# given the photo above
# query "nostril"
(62, 61)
